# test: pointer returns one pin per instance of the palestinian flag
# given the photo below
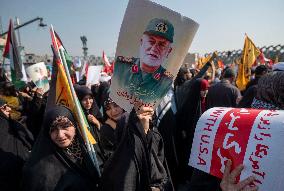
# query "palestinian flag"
(67, 57)
(62, 92)
(11, 51)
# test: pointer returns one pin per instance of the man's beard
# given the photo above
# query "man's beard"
(146, 59)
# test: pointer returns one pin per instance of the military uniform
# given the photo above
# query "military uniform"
(148, 86)
(131, 84)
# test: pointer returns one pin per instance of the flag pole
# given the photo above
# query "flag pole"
(90, 147)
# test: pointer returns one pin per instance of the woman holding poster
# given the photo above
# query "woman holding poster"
(138, 163)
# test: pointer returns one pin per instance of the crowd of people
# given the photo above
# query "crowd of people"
(42, 149)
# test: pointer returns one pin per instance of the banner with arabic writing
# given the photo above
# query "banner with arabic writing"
(150, 50)
(245, 136)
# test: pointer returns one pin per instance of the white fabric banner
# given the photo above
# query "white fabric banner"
(245, 136)
(93, 75)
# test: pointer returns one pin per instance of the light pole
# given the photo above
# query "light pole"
(41, 24)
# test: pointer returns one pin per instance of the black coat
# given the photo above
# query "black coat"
(177, 128)
(15, 146)
(35, 114)
(138, 162)
(50, 168)
(108, 139)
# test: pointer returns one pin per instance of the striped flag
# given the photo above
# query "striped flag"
(68, 58)
(11, 51)
(65, 95)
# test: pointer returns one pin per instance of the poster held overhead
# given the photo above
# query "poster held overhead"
(93, 75)
(38, 73)
(150, 50)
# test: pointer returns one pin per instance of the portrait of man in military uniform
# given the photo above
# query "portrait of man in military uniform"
(145, 78)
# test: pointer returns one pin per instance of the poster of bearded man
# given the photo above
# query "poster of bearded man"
(150, 50)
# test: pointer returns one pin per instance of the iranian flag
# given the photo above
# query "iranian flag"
(108, 67)
(11, 51)
(106, 61)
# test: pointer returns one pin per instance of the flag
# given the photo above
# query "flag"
(11, 51)
(109, 70)
(202, 61)
(65, 95)
(249, 55)
(105, 60)
(84, 70)
(67, 57)
(108, 67)
(263, 60)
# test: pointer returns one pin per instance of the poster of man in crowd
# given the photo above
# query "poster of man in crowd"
(38, 74)
(151, 47)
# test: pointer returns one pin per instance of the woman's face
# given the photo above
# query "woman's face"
(62, 137)
(113, 111)
(87, 102)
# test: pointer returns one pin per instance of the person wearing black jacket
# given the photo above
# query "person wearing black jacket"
(35, 112)
(178, 116)
(90, 108)
(138, 162)
(15, 146)
(108, 131)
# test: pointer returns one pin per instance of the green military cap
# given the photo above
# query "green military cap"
(160, 27)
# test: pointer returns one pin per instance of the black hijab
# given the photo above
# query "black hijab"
(138, 162)
(51, 168)
(187, 118)
(83, 91)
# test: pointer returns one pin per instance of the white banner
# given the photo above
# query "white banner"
(93, 75)
(245, 136)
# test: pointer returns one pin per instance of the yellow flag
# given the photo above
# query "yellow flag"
(250, 53)
(64, 97)
(202, 61)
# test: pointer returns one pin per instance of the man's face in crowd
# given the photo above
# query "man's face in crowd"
(154, 50)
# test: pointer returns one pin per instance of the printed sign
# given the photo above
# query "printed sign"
(245, 136)
(93, 75)
(150, 50)
(39, 75)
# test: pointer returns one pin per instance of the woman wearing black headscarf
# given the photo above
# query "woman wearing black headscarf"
(90, 108)
(187, 118)
(112, 114)
(59, 160)
(172, 128)
(138, 162)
